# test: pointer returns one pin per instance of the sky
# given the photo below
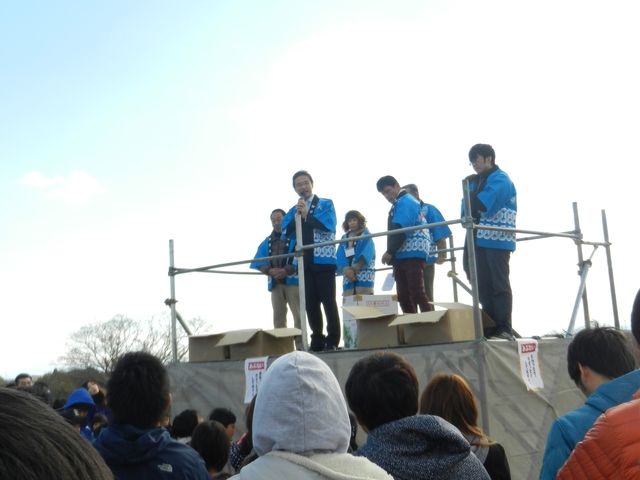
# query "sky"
(126, 124)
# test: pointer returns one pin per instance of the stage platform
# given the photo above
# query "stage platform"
(517, 418)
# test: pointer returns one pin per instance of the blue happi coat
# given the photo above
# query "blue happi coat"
(433, 215)
(263, 251)
(499, 198)
(406, 212)
(323, 218)
(364, 248)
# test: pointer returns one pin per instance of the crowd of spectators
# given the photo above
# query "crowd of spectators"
(302, 426)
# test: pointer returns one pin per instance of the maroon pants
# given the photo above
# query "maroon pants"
(409, 275)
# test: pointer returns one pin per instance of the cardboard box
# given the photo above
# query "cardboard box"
(387, 304)
(254, 342)
(455, 324)
(372, 328)
(204, 348)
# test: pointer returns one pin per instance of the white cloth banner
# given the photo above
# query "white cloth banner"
(529, 365)
(254, 369)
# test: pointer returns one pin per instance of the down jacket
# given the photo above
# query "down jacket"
(611, 449)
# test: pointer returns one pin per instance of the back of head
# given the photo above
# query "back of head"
(449, 397)
(635, 318)
(381, 388)
(40, 391)
(210, 440)
(300, 408)
(138, 390)
(605, 350)
(184, 424)
(482, 149)
(386, 181)
(412, 189)
(223, 415)
(36, 442)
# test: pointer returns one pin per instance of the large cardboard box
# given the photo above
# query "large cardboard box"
(254, 342)
(455, 324)
(372, 328)
(205, 348)
(387, 304)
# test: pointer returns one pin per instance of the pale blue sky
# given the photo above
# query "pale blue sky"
(123, 125)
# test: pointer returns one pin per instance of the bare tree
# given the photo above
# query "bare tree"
(99, 345)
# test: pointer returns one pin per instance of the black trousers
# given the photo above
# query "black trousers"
(494, 288)
(320, 290)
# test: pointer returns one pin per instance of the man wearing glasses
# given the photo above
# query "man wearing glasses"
(318, 226)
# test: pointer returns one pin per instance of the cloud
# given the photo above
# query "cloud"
(77, 189)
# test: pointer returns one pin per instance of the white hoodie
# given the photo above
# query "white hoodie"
(301, 426)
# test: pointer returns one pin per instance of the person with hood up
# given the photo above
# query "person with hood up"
(301, 426)
(78, 409)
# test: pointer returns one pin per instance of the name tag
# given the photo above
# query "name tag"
(350, 252)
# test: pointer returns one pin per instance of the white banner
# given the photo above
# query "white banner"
(254, 369)
(529, 365)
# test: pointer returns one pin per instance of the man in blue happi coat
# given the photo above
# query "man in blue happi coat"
(318, 226)
(437, 236)
(493, 203)
(407, 252)
(282, 274)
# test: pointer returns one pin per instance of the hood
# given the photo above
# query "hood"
(126, 445)
(300, 408)
(80, 396)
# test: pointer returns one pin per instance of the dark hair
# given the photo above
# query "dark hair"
(98, 418)
(210, 440)
(280, 211)
(362, 222)
(223, 415)
(449, 397)
(412, 189)
(39, 390)
(21, 376)
(299, 174)
(386, 181)
(605, 350)
(36, 442)
(184, 424)
(138, 390)
(353, 445)
(246, 442)
(99, 398)
(382, 387)
(635, 318)
(483, 150)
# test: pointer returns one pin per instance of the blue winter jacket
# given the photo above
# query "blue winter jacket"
(567, 430)
(132, 453)
(82, 396)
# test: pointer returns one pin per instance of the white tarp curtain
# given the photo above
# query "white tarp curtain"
(517, 418)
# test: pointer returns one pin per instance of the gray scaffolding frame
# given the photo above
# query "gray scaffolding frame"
(468, 223)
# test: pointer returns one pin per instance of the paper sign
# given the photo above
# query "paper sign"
(388, 282)
(254, 369)
(529, 365)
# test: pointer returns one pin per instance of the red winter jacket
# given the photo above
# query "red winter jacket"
(611, 449)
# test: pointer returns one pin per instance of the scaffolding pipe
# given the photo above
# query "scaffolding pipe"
(467, 222)
(581, 290)
(174, 333)
(454, 281)
(585, 301)
(612, 286)
(301, 282)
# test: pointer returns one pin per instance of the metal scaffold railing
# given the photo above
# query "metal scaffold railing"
(472, 288)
